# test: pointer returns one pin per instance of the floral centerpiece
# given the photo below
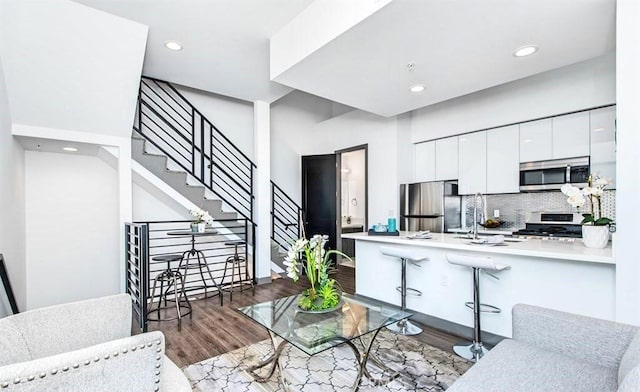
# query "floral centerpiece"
(311, 258)
(202, 217)
(595, 229)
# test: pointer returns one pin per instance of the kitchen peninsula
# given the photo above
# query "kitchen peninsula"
(558, 275)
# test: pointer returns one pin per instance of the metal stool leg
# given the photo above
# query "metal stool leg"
(404, 327)
(474, 350)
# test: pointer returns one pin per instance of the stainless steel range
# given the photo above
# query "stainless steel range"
(560, 226)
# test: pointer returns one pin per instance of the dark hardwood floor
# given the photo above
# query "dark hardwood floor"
(216, 329)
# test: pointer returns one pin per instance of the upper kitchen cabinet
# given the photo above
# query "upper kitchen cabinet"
(503, 160)
(425, 161)
(603, 143)
(535, 140)
(570, 135)
(447, 158)
(472, 163)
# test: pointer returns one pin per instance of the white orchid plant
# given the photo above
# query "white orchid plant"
(311, 258)
(201, 216)
(593, 193)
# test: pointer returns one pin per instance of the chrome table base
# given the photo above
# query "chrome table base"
(362, 359)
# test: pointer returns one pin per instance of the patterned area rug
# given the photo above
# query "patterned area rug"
(423, 368)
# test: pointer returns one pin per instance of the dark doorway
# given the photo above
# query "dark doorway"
(319, 196)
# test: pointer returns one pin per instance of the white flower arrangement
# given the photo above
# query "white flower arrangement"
(593, 193)
(201, 216)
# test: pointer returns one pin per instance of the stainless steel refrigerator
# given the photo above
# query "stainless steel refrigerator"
(433, 206)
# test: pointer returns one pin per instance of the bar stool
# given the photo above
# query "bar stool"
(173, 278)
(236, 260)
(474, 350)
(405, 327)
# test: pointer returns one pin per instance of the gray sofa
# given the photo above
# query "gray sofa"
(557, 351)
(84, 346)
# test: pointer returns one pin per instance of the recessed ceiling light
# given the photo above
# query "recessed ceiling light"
(598, 130)
(70, 149)
(417, 88)
(527, 141)
(173, 45)
(525, 51)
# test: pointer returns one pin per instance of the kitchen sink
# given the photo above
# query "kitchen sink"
(506, 239)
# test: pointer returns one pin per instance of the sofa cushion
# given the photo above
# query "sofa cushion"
(631, 382)
(517, 367)
(173, 380)
(13, 347)
(630, 359)
(130, 364)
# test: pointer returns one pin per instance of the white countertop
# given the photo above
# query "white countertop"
(574, 251)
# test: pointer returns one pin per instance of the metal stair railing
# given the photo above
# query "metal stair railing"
(181, 132)
(286, 216)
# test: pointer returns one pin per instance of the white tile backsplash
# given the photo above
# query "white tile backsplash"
(513, 207)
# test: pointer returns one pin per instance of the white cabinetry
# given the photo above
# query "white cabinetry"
(555, 138)
(603, 143)
(535, 140)
(570, 136)
(472, 163)
(425, 161)
(447, 158)
(503, 160)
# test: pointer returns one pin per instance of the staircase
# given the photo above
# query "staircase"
(286, 216)
(159, 164)
(181, 147)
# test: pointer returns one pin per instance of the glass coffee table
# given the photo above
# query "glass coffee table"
(355, 322)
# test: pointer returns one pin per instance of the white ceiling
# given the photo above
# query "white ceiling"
(458, 46)
(56, 146)
(225, 42)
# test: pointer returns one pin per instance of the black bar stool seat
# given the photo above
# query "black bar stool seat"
(173, 280)
(236, 262)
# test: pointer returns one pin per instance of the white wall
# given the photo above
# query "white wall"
(579, 86)
(153, 205)
(357, 128)
(293, 117)
(69, 66)
(232, 117)
(72, 226)
(628, 162)
(12, 209)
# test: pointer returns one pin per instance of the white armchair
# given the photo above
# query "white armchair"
(84, 346)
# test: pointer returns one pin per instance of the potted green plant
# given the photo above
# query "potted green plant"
(595, 227)
(311, 258)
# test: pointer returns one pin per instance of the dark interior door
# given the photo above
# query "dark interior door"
(319, 196)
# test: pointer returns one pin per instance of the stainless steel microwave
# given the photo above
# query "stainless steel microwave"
(549, 175)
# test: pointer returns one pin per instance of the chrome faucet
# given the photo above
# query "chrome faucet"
(475, 213)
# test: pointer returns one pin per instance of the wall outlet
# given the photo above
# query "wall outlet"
(444, 281)
(496, 213)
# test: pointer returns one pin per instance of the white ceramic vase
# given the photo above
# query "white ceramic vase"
(595, 236)
(201, 227)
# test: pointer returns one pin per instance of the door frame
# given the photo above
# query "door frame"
(339, 153)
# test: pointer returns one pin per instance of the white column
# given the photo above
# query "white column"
(262, 186)
(628, 162)
(126, 201)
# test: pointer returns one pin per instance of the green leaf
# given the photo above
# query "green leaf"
(603, 222)
(588, 218)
